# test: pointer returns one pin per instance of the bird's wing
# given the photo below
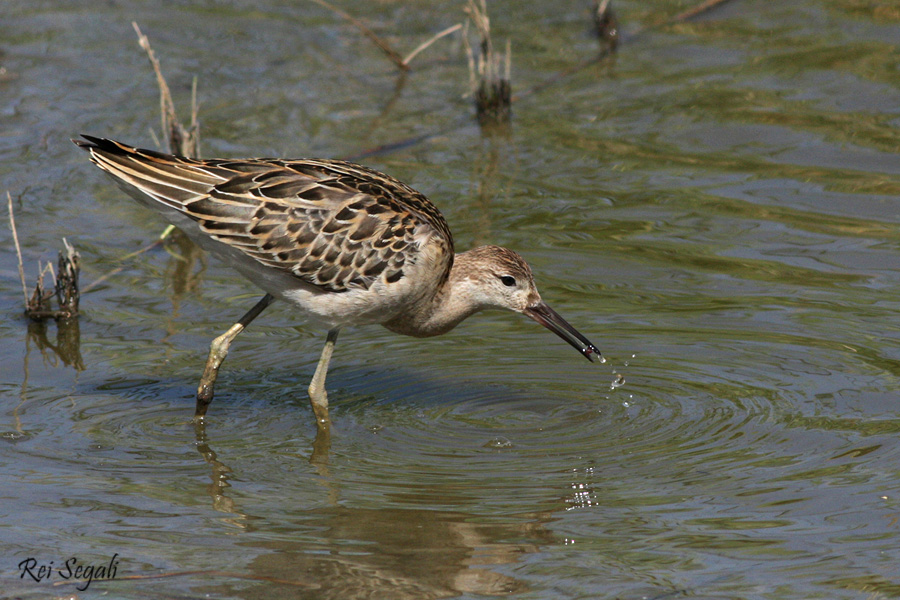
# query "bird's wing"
(333, 224)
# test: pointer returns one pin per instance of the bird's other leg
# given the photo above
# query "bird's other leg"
(317, 395)
(218, 350)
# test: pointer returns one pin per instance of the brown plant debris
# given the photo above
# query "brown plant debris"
(606, 25)
(68, 268)
(39, 305)
(489, 83)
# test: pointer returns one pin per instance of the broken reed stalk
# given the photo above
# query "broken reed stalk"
(391, 53)
(65, 284)
(606, 25)
(402, 63)
(12, 225)
(430, 41)
(184, 142)
(38, 306)
(67, 294)
(490, 86)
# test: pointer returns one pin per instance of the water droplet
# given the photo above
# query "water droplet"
(14, 436)
(498, 442)
(618, 382)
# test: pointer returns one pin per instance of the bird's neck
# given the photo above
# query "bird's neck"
(453, 302)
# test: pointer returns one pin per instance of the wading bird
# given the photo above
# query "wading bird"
(343, 243)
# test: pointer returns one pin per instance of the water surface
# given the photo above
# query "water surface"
(717, 209)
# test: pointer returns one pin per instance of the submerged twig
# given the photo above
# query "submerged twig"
(613, 37)
(490, 86)
(685, 15)
(120, 268)
(693, 12)
(402, 63)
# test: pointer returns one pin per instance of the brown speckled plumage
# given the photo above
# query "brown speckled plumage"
(333, 224)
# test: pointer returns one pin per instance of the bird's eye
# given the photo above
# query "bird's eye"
(508, 280)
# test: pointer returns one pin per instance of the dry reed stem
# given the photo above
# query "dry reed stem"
(185, 142)
(490, 87)
(402, 63)
(430, 41)
(12, 225)
(391, 53)
(37, 307)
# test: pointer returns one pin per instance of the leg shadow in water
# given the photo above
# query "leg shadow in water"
(220, 472)
(341, 552)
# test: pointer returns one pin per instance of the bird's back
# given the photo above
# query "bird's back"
(334, 225)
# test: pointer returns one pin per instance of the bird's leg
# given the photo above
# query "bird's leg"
(218, 350)
(317, 395)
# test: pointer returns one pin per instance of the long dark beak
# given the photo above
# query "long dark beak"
(550, 319)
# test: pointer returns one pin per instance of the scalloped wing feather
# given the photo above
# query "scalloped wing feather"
(332, 224)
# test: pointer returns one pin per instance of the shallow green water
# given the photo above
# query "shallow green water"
(717, 209)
